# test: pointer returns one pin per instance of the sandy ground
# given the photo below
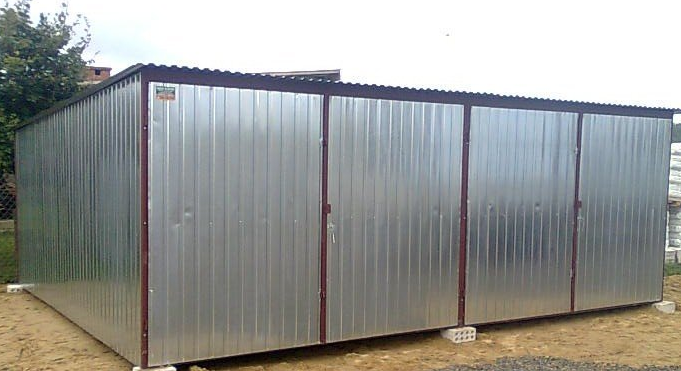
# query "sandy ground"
(34, 337)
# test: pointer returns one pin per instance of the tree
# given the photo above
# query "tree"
(40, 64)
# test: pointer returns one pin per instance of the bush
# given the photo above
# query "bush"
(8, 262)
(672, 269)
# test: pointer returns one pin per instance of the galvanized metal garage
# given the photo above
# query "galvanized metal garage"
(182, 214)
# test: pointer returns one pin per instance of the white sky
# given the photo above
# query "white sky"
(607, 51)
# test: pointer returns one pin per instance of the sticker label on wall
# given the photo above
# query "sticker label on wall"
(165, 92)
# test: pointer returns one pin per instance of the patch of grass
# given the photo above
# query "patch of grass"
(8, 262)
(672, 269)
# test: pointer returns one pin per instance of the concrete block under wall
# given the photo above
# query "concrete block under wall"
(459, 334)
(667, 307)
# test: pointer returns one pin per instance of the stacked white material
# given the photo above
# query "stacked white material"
(674, 226)
(675, 173)
(673, 250)
(673, 246)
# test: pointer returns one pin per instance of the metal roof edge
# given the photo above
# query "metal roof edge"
(348, 88)
(339, 86)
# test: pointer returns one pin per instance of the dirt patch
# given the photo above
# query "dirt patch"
(35, 337)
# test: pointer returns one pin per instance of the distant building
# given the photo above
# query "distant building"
(333, 75)
(93, 75)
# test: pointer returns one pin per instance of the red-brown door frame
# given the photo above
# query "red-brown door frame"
(463, 225)
(577, 204)
(463, 222)
(144, 216)
(326, 210)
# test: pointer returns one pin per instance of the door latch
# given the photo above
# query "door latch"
(331, 228)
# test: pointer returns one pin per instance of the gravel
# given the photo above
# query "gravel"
(549, 363)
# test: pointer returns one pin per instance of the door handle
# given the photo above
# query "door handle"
(331, 228)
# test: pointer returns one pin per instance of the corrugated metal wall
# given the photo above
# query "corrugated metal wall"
(234, 216)
(520, 215)
(394, 187)
(234, 222)
(78, 187)
(623, 187)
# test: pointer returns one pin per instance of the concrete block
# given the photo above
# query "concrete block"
(671, 256)
(459, 334)
(160, 368)
(667, 307)
(14, 288)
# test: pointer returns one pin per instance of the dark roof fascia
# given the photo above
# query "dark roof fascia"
(186, 75)
(183, 75)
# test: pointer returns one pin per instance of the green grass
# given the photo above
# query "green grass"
(8, 262)
(672, 269)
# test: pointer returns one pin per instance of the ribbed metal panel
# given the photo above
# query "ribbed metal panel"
(78, 187)
(234, 222)
(394, 189)
(234, 207)
(520, 215)
(623, 188)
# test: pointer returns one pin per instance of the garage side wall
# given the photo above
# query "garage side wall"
(78, 181)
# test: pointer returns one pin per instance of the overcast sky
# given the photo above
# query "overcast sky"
(606, 51)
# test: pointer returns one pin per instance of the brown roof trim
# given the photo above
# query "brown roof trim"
(186, 75)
